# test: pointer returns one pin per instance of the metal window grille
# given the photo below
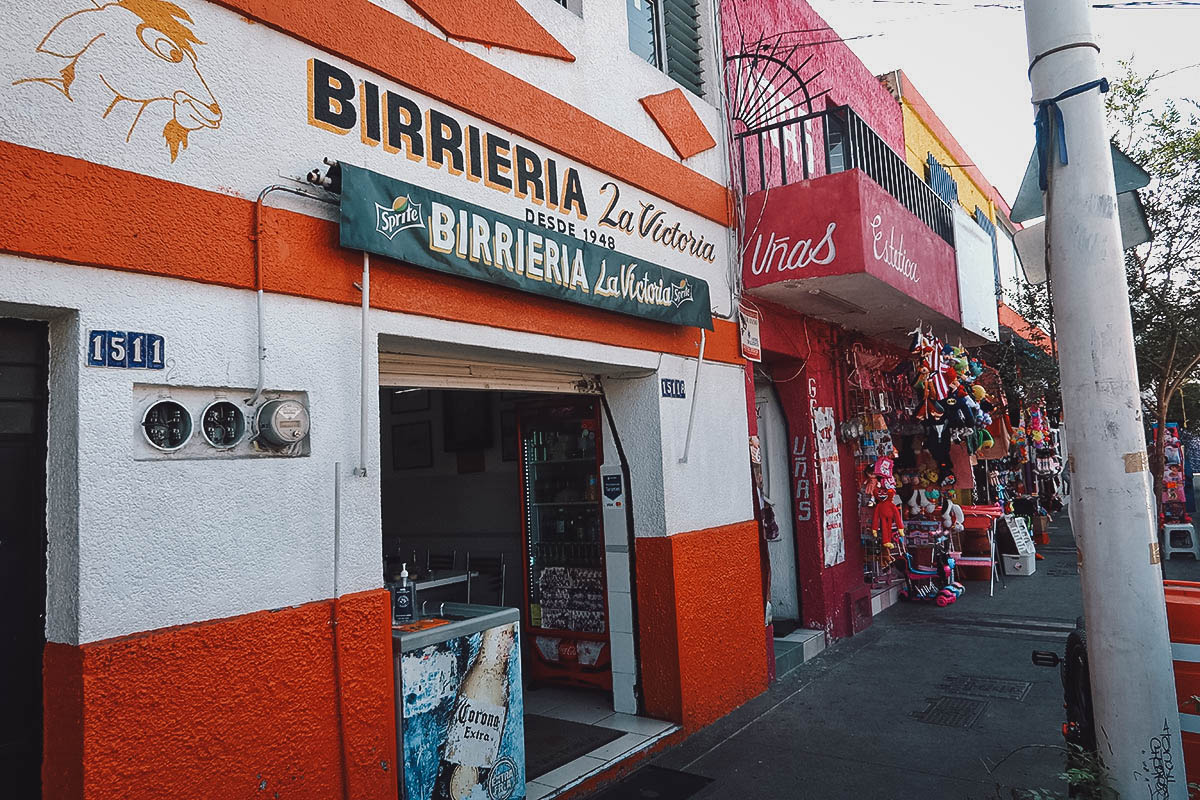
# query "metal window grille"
(847, 142)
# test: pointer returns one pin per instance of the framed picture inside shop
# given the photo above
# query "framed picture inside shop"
(466, 421)
(412, 445)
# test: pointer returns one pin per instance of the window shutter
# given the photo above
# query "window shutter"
(940, 180)
(989, 227)
(681, 32)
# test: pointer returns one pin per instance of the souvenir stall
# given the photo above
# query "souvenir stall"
(1025, 475)
(1174, 497)
(916, 422)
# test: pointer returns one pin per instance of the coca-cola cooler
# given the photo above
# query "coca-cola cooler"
(459, 705)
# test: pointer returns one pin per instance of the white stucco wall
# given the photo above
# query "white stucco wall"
(164, 543)
(139, 545)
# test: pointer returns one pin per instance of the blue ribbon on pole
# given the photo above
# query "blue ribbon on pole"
(1042, 125)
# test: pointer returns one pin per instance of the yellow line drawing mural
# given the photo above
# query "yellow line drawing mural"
(127, 60)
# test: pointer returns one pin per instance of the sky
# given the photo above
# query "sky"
(968, 58)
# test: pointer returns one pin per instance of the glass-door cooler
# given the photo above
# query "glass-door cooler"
(566, 606)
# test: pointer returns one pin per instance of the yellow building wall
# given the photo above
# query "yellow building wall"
(919, 141)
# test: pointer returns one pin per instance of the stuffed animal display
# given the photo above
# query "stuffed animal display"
(886, 522)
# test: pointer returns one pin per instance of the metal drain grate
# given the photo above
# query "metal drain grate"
(952, 712)
(656, 783)
(1062, 573)
(986, 686)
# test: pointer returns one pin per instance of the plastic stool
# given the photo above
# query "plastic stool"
(1185, 534)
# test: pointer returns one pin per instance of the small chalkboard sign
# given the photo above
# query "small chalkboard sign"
(1020, 534)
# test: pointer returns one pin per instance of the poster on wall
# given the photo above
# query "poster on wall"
(464, 732)
(831, 486)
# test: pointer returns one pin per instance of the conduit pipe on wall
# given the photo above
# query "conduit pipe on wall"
(687, 442)
(365, 388)
(258, 276)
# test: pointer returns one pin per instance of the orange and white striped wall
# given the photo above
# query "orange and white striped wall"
(189, 602)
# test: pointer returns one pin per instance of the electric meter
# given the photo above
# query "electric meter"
(282, 422)
(222, 424)
(167, 425)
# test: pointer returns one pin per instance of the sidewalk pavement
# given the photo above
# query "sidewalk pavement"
(928, 702)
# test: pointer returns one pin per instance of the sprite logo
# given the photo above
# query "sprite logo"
(682, 293)
(400, 215)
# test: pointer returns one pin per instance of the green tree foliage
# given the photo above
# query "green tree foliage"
(1163, 275)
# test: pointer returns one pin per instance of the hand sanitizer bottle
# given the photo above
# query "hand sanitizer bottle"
(404, 601)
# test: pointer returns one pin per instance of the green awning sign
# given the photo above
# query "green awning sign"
(428, 229)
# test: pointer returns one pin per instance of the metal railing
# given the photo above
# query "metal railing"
(842, 141)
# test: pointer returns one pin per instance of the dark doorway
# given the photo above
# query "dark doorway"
(24, 357)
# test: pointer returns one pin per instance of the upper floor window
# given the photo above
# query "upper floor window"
(574, 6)
(666, 33)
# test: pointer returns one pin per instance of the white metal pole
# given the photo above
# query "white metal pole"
(1129, 652)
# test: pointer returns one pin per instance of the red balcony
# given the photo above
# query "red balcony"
(839, 246)
(842, 249)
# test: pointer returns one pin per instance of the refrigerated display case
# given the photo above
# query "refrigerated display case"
(460, 711)
(566, 606)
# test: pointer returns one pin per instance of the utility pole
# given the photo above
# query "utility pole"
(1112, 510)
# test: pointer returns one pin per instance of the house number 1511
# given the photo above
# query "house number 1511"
(126, 349)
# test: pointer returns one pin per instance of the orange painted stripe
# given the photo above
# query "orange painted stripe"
(503, 23)
(372, 37)
(65, 209)
(236, 707)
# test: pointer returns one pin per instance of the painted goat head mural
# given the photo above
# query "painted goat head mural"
(134, 63)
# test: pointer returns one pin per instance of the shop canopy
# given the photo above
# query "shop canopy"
(409, 223)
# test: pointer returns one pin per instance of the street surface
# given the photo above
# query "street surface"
(848, 724)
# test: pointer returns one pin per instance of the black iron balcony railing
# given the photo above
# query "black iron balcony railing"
(842, 141)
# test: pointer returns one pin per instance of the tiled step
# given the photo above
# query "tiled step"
(797, 647)
(884, 598)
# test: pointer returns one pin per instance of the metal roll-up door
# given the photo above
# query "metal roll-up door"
(428, 372)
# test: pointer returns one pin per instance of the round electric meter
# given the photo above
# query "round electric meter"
(222, 424)
(167, 425)
(282, 422)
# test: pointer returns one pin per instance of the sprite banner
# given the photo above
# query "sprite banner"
(428, 229)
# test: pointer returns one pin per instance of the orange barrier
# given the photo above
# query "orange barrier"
(1183, 620)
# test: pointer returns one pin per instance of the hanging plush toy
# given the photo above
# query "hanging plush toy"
(887, 523)
(984, 403)
(1021, 442)
(870, 486)
(952, 515)
(884, 469)
(923, 501)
